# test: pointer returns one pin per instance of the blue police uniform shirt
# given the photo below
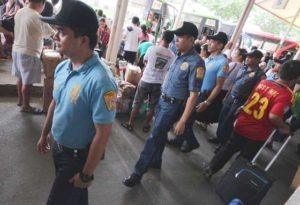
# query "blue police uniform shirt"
(185, 75)
(216, 67)
(83, 98)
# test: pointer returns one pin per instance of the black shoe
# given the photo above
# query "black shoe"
(218, 148)
(175, 142)
(186, 147)
(298, 149)
(207, 173)
(155, 165)
(214, 140)
(131, 180)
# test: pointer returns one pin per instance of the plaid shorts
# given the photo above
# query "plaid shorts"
(27, 68)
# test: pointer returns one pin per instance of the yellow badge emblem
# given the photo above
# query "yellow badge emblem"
(110, 99)
(200, 73)
(74, 95)
(226, 68)
(184, 66)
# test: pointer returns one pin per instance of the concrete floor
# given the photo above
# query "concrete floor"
(26, 176)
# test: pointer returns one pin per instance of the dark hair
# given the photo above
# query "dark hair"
(37, 1)
(135, 20)
(78, 32)
(253, 48)
(168, 36)
(144, 29)
(54, 2)
(102, 19)
(205, 48)
(197, 47)
(242, 52)
(100, 13)
(290, 70)
(48, 9)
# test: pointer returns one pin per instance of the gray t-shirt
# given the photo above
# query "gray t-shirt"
(158, 60)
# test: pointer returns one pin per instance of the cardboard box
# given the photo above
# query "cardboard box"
(47, 93)
(133, 74)
(50, 59)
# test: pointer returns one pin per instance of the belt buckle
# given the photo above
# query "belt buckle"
(60, 147)
(75, 152)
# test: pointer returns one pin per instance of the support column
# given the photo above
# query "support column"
(118, 34)
(297, 56)
(289, 29)
(113, 30)
(242, 21)
(175, 26)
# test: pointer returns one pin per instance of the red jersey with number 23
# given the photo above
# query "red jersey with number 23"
(268, 97)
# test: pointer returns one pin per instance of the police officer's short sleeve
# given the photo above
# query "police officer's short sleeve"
(223, 69)
(103, 105)
(196, 75)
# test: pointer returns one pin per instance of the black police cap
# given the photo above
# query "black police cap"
(75, 14)
(220, 36)
(255, 54)
(187, 28)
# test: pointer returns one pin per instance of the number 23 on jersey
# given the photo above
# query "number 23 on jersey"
(251, 109)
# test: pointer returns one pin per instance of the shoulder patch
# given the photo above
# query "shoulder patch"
(110, 99)
(200, 72)
(226, 68)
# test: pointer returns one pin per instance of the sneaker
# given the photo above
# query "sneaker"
(131, 180)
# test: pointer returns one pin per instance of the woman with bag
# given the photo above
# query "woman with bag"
(103, 36)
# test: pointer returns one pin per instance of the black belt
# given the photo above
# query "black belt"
(72, 151)
(172, 100)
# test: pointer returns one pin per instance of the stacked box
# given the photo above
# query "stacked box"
(47, 93)
(50, 59)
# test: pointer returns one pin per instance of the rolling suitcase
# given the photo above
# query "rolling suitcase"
(246, 181)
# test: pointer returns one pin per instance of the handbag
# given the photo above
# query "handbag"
(8, 23)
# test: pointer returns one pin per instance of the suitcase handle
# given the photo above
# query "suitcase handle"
(276, 155)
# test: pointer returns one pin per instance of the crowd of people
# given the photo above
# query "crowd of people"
(247, 93)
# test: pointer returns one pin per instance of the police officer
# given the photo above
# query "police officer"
(83, 107)
(179, 95)
(209, 102)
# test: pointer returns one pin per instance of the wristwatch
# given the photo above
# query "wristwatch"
(207, 103)
(85, 178)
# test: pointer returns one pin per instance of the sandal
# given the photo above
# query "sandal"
(19, 104)
(33, 110)
(146, 128)
(127, 126)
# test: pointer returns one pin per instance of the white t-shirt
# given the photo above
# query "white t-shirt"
(132, 38)
(159, 60)
(29, 32)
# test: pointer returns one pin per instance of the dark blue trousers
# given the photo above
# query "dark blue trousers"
(166, 115)
(67, 164)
